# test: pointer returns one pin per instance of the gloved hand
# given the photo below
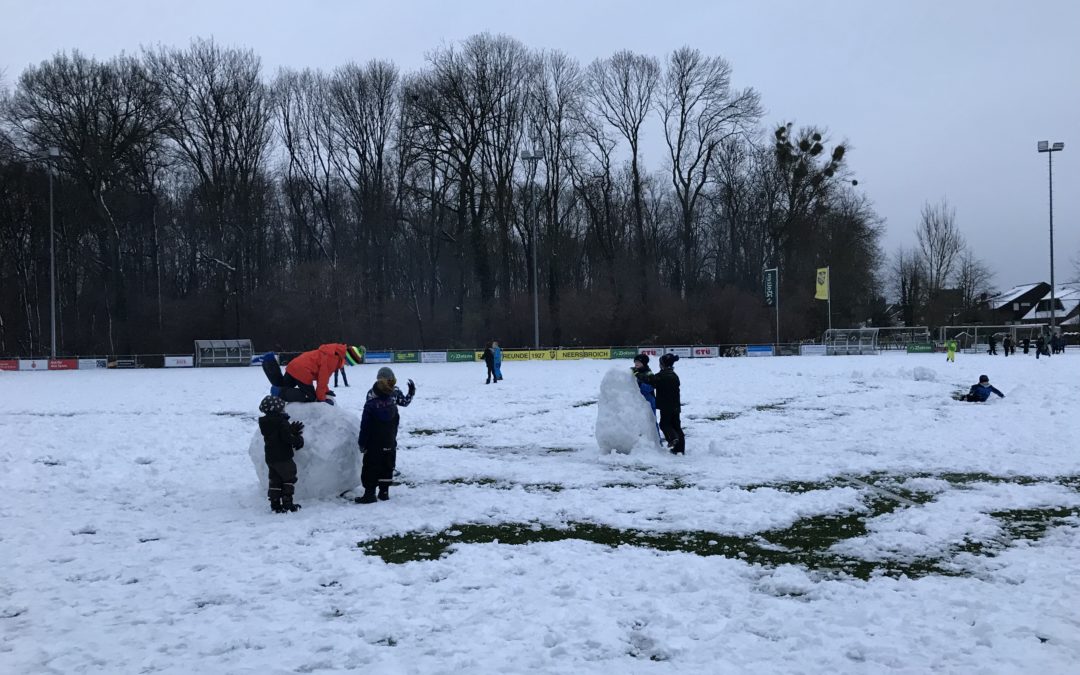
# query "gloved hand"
(412, 387)
(296, 427)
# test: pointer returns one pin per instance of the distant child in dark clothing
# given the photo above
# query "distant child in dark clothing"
(981, 391)
(280, 438)
(489, 361)
(668, 401)
(378, 434)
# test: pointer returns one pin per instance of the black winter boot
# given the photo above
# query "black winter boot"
(275, 505)
(367, 498)
(384, 492)
(287, 505)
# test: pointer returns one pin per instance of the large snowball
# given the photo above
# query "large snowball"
(329, 462)
(624, 420)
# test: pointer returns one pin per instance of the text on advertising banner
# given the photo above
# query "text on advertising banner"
(572, 354)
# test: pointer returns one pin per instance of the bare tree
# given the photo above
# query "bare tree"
(700, 110)
(940, 245)
(306, 131)
(806, 175)
(908, 276)
(556, 97)
(219, 114)
(974, 279)
(97, 114)
(621, 90)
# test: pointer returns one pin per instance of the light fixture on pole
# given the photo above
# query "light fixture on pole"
(1050, 149)
(531, 157)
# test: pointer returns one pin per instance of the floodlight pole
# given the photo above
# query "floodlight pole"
(531, 157)
(1050, 149)
(53, 154)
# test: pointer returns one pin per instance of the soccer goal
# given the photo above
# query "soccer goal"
(900, 338)
(976, 338)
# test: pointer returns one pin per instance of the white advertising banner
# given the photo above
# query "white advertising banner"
(90, 364)
(705, 352)
(432, 357)
(180, 361)
(813, 350)
(681, 352)
(653, 352)
(33, 364)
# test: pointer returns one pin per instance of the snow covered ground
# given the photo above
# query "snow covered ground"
(836, 514)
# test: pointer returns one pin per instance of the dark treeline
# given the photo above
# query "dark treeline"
(197, 196)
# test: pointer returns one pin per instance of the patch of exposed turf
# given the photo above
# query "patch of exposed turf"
(772, 407)
(808, 542)
(430, 432)
(721, 416)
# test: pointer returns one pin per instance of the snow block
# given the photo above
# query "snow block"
(329, 463)
(624, 420)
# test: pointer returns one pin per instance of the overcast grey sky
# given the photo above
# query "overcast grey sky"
(937, 98)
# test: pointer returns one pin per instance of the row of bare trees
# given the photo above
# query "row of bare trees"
(940, 280)
(198, 197)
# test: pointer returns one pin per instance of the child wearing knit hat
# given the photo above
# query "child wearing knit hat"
(378, 434)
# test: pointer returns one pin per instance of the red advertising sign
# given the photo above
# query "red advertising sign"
(9, 364)
(63, 364)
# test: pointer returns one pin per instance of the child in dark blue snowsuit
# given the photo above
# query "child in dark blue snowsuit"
(641, 367)
(980, 392)
(378, 435)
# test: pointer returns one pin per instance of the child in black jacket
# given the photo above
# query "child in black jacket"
(280, 437)
(668, 402)
(378, 434)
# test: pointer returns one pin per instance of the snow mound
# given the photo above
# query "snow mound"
(924, 374)
(329, 463)
(624, 420)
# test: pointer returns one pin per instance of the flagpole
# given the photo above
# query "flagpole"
(778, 307)
(828, 292)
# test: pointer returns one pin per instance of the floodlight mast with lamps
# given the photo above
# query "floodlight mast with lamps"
(1050, 149)
(531, 157)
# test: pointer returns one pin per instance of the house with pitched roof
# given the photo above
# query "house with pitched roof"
(1015, 304)
(1066, 307)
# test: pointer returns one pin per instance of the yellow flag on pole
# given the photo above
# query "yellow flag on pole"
(822, 290)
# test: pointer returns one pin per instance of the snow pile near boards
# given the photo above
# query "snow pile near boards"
(329, 462)
(624, 420)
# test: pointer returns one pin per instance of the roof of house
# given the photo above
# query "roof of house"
(1068, 296)
(1011, 295)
